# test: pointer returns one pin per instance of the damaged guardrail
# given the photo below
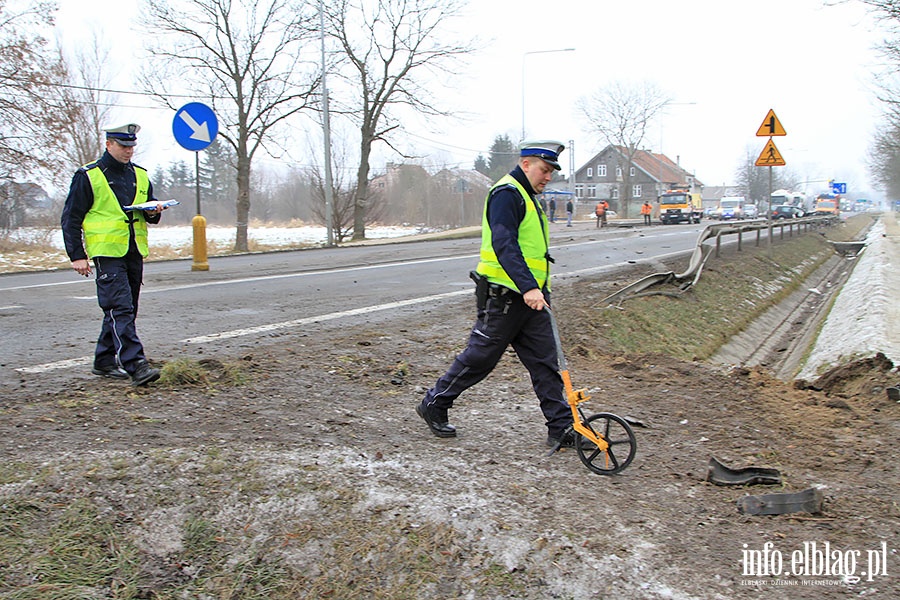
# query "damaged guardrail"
(702, 251)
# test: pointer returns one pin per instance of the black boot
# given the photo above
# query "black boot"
(436, 418)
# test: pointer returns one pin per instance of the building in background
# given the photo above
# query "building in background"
(603, 177)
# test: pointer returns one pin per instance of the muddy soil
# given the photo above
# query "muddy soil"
(322, 444)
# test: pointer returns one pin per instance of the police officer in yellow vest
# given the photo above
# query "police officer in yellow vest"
(115, 239)
(513, 288)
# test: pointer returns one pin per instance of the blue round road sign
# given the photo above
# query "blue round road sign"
(195, 126)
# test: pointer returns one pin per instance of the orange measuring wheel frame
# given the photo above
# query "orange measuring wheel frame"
(605, 442)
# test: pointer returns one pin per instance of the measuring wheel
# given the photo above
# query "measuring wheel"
(620, 437)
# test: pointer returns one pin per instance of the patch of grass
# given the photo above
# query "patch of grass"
(853, 228)
(458, 234)
(55, 552)
(12, 472)
(56, 545)
(77, 536)
(80, 399)
(227, 572)
(205, 372)
(395, 561)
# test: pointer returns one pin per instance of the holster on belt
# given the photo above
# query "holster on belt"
(481, 289)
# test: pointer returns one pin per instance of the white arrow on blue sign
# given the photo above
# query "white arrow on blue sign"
(838, 188)
(195, 126)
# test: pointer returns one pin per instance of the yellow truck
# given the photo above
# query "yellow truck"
(826, 204)
(680, 206)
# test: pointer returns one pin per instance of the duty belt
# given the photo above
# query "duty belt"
(497, 291)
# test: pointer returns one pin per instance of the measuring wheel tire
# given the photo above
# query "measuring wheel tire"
(620, 437)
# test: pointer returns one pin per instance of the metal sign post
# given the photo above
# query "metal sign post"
(770, 157)
(195, 126)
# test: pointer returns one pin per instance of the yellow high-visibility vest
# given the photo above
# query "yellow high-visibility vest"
(106, 231)
(534, 240)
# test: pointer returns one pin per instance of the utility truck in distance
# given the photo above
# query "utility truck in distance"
(680, 206)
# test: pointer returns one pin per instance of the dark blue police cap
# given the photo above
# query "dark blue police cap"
(546, 150)
(124, 134)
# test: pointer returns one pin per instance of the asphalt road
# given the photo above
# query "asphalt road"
(51, 319)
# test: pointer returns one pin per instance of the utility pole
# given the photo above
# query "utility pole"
(326, 131)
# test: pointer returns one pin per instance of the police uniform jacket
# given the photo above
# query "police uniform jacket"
(121, 179)
(505, 212)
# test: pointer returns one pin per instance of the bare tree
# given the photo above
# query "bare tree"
(621, 113)
(883, 158)
(753, 181)
(247, 58)
(342, 203)
(86, 102)
(884, 150)
(28, 69)
(388, 45)
(30, 72)
(343, 190)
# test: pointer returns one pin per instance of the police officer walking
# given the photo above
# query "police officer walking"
(115, 239)
(513, 289)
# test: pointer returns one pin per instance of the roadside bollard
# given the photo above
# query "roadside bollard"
(200, 260)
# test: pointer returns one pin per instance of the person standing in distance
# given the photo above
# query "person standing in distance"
(513, 290)
(600, 210)
(115, 240)
(646, 209)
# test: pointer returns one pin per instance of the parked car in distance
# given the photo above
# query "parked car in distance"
(786, 211)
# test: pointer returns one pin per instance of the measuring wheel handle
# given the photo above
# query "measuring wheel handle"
(620, 440)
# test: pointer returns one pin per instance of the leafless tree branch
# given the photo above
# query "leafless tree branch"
(621, 113)
(248, 58)
(394, 63)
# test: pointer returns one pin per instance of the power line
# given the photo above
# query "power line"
(446, 145)
(107, 91)
(90, 102)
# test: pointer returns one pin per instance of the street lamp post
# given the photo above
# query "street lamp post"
(523, 78)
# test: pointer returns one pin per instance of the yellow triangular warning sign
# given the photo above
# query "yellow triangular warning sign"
(770, 126)
(770, 156)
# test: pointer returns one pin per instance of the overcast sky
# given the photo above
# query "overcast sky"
(723, 63)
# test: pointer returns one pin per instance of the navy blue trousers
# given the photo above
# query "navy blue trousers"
(118, 288)
(506, 321)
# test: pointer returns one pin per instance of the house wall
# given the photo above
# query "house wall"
(653, 175)
(591, 188)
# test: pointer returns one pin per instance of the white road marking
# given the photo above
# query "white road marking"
(85, 360)
(189, 286)
(39, 285)
(62, 364)
(311, 320)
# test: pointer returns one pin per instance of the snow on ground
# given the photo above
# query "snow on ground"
(865, 316)
(273, 236)
(177, 237)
